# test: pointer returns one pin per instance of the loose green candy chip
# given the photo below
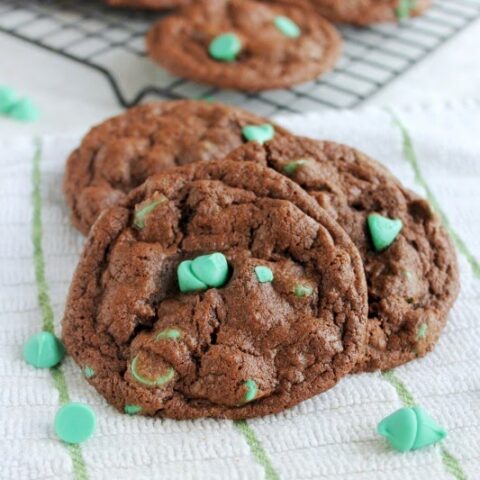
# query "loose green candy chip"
(264, 274)
(291, 167)
(8, 97)
(383, 230)
(132, 409)
(43, 350)
(251, 390)
(88, 372)
(258, 133)
(225, 47)
(410, 429)
(169, 334)
(156, 382)
(24, 110)
(75, 422)
(141, 214)
(287, 26)
(302, 290)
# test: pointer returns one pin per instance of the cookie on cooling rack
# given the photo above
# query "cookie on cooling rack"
(148, 4)
(245, 44)
(410, 263)
(119, 154)
(365, 12)
(218, 289)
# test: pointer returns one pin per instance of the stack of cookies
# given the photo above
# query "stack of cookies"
(233, 269)
(255, 45)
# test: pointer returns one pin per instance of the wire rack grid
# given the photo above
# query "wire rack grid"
(112, 42)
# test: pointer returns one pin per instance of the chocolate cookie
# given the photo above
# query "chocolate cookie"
(409, 260)
(119, 154)
(148, 4)
(365, 12)
(217, 289)
(245, 44)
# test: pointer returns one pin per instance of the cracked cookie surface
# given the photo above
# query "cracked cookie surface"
(288, 323)
(148, 4)
(120, 153)
(269, 51)
(413, 283)
(366, 12)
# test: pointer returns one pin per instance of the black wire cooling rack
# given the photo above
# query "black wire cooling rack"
(112, 42)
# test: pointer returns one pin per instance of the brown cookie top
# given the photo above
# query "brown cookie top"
(245, 44)
(120, 153)
(286, 321)
(412, 283)
(148, 4)
(365, 12)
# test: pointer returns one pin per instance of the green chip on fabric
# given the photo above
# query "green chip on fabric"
(75, 422)
(43, 350)
(287, 26)
(258, 133)
(383, 230)
(225, 47)
(8, 97)
(24, 110)
(410, 428)
(264, 274)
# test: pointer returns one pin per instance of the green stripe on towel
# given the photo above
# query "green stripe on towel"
(411, 157)
(80, 470)
(404, 395)
(257, 449)
(451, 464)
(79, 467)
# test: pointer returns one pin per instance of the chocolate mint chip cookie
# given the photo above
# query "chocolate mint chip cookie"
(409, 261)
(245, 44)
(119, 154)
(217, 289)
(364, 12)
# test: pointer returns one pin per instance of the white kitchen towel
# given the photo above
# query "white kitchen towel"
(435, 151)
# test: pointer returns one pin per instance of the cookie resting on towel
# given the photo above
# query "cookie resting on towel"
(120, 153)
(218, 289)
(410, 263)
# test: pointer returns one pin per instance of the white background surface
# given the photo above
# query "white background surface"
(73, 97)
